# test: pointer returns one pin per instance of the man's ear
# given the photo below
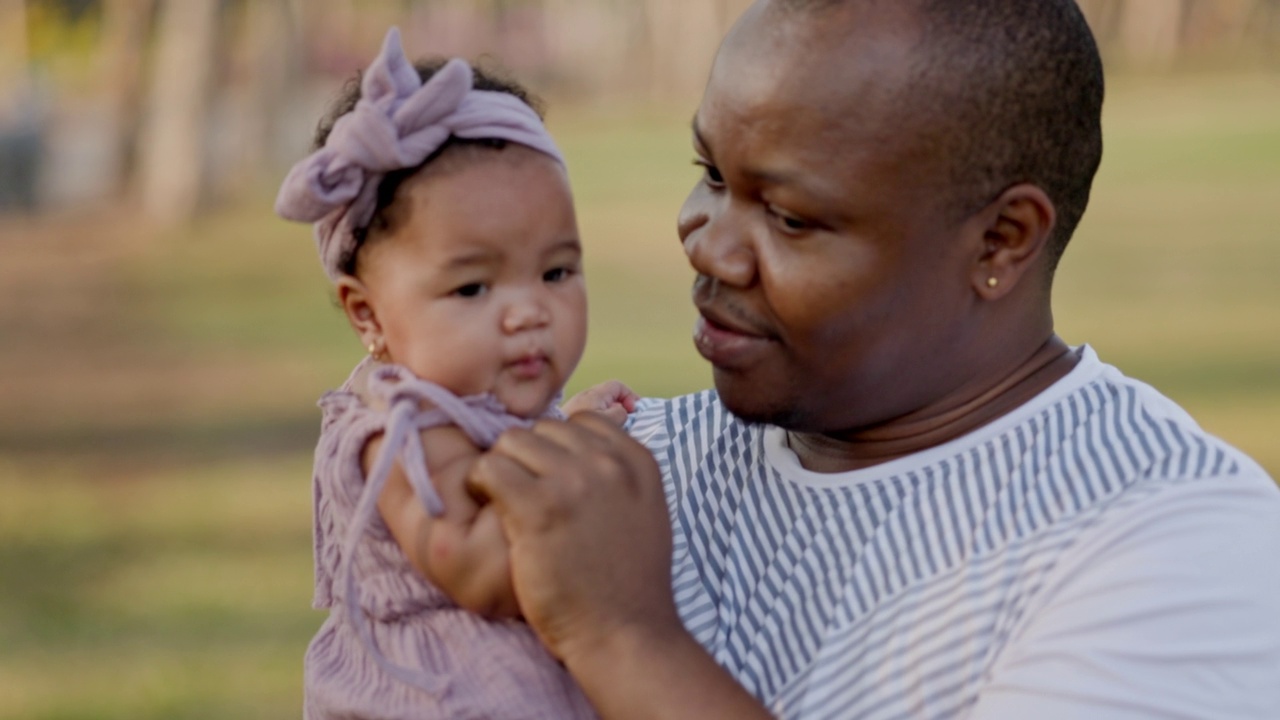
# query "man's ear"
(356, 303)
(1018, 224)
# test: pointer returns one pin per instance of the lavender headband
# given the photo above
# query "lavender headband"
(398, 122)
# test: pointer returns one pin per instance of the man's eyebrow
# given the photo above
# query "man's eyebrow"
(773, 177)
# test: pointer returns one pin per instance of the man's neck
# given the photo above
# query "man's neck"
(920, 431)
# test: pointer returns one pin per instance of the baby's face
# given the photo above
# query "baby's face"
(480, 288)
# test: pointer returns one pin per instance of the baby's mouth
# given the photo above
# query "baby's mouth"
(530, 366)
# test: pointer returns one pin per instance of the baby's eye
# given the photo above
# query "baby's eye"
(710, 173)
(471, 290)
(556, 275)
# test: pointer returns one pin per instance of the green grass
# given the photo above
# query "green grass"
(156, 556)
(1173, 275)
(167, 593)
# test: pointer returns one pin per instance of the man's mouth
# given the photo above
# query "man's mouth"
(728, 337)
(718, 306)
(721, 321)
(727, 344)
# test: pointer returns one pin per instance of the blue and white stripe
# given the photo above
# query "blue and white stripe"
(890, 592)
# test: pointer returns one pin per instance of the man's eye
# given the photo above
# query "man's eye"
(470, 290)
(555, 275)
(790, 223)
(710, 172)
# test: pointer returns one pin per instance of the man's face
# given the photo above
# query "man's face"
(831, 290)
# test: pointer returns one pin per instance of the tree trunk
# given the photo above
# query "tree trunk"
(683, 38)
(274, 60)
(1150, 30)
(125, 25)
(13, 41)
(173, 154)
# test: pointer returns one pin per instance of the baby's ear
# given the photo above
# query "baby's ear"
(354, 298)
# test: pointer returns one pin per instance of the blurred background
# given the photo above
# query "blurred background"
(163, 337)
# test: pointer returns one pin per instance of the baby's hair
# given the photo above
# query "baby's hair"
(383, 219)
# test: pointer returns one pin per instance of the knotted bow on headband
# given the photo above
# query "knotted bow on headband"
(398, 122)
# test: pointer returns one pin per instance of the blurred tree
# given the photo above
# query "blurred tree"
(125, 28)
(1101, 15)
(22, 127)
(173, 158)
(273, 49)
(1151, 30)
(681, 43)
(156, 73)
(1211, 23)
(13, 39)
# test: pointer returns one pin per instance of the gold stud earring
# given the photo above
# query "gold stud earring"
(992, 282)
(373, 350)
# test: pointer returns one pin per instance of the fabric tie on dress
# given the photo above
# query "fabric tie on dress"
(481, 417)
(398, 122)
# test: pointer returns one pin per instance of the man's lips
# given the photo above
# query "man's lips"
(729, 320)
(721, 307)
(727, 343)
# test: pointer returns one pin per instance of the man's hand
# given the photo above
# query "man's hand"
(584, 512)
(611, 399)
(583, 509)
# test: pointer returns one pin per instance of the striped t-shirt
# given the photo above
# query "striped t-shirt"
(1093, 554)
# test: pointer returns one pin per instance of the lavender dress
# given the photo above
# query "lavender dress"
(394, 646)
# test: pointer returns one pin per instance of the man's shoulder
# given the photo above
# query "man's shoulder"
(1125, 426)
(698, 402)
(657, 422)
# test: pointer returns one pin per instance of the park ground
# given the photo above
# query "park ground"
(157, 388)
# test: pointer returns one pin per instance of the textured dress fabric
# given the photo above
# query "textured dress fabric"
(394, 646)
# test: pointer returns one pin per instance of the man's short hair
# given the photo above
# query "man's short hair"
(1008, 91)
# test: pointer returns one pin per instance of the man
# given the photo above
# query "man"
(907, 498)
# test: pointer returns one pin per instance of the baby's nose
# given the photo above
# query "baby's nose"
(525, 315)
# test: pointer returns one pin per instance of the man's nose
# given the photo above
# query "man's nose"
(718, 243)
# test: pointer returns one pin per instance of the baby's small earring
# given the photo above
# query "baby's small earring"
(375, 349)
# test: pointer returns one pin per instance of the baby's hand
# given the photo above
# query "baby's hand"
(611, 399)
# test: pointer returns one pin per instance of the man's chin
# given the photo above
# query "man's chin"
(756, 409)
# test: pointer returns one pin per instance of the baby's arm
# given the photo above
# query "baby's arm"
(463, 551)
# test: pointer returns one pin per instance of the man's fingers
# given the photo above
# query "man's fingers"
(502, 481)
(588, 451)
(551, 445)
(596, 430)
(539, 453)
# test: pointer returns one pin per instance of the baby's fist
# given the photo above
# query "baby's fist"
(611, 399)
